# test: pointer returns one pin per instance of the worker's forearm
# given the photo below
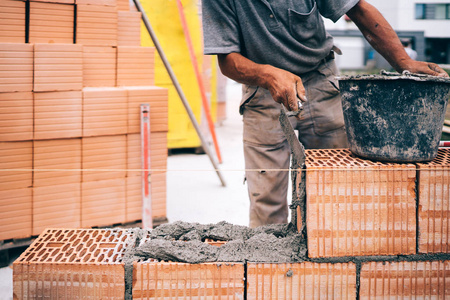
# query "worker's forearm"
(284, 86)
(380, 34)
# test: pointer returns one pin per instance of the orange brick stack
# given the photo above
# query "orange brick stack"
(69, 100)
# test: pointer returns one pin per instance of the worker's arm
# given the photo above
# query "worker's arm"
(282, 85)
(383, 38)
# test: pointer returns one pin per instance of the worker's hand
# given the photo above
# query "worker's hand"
(421, 67)
(285, 87)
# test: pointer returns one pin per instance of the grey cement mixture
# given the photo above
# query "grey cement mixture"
(184, 242)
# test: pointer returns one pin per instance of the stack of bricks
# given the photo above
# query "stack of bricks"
(72, 77)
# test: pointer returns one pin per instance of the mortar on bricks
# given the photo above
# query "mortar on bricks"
(394, 117)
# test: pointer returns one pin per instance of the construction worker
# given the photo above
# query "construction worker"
(280, 52)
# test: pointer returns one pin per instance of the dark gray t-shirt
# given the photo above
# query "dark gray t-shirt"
(288, 34)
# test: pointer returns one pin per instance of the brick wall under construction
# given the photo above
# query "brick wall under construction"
(373, 231)
(72, 78)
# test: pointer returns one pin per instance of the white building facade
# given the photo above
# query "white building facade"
(425, 22)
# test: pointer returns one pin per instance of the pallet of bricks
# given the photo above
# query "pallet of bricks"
(373, 231)
(72, 78)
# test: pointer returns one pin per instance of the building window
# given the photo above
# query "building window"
(435, 11)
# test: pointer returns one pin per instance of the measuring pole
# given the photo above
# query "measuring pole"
(178, 88)
(147, 220)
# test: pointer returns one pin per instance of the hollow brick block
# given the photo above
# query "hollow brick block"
(12, 21)
(301, 281)
(168, 280)
(16, 163)
(96, 25)
(51, 22)
(16, 116)
(99, 66)
(123, 5)
(58, 67)
(56, 162)
(405, 280)
(73, 263)
(358, 207)
(57, 115)
(434, 204)
(157, 98)
(15, 213)
(135, 66)
(104, 157)
(104, 111)
(16, 67)
(129, 28)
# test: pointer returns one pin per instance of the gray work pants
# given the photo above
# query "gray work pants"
(265, 146)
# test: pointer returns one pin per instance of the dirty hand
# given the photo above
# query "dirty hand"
(421, 67)
(285, 87)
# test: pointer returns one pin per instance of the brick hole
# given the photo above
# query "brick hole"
(72, 238)
(115, 257)
(101, 257)
(55, 252)
(58, 233)
(124, 238)
(29, 258)
(86, 238)
(93, 247)
(106, 245)
(73, 257)
(120, 248)
(42, 252)
(108, 233)
(98, 239)
(66, 247)
(59, 257)
(43, 258)
(111, 238)
(83, 233)
(110, 253)
(39, 247)
(79, 247)
(55, 245)
(95, 233)
(83, 252)
(87, 257)
(47, 237)
(119, 234)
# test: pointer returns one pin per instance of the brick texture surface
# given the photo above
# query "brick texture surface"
(103, 202)
(129, 28)
(15, 213)
(98, 2)
(104, 157)
(104, 111)
(56, 162)
(158, 280)
(16, 67)
(57, 115)
(434, 204)
(16, 116)
(405, 280)
(301, 281)
(73, 264)
(58, 67)
(51, 23)
(12, 21)
(157, 98)
(358, 207)
(56, 205)
(96, 25)
(99, 66)
(135, 66)
(16, 163)
(123, 5)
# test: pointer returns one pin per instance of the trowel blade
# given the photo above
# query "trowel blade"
(296, 147)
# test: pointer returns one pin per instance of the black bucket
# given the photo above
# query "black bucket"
(392, 117)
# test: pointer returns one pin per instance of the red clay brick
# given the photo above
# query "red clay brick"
(58, 67)
(104, 157)
(12, 21)
(359, 207)
(57, 115)
(16, 67)
(99, 66)
(15, 213)
(62, 157)
(405, 280)
(135, 66)
(301, 281)
(129, 28)
(104, 111)
(167, 280)
(56, 205)
(434, 204)
(16, 163)
(16, 116)
(51, 22)
(103, 202)
(157, 98)
(96, 25)
(73, 263)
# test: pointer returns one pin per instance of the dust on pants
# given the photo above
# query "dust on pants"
(266, 150)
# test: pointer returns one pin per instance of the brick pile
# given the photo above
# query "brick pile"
(72, 77)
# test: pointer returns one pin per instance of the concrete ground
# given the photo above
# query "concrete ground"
(194, 191)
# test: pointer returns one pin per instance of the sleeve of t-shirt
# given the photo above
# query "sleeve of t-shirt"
(334, 9)
(220, 27)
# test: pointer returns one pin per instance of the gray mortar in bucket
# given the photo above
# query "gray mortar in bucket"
(394, 117)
